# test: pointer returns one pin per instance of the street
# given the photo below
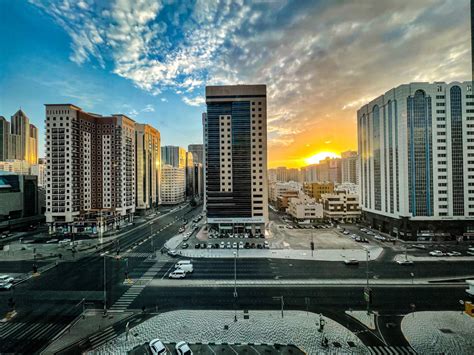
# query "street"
(47, 303)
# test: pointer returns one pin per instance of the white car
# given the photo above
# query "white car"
(454, 253)
(405, 262)
(345, 233)
(234, 245)
(266, 245)
(351, 262)
(6, 279)
(222, 245)
(157, 347)
(182, 348)
(241, 245)
(177, 274)
(437, 253)
(172, 252)
(5, 286)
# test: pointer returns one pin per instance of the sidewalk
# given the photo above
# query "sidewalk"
(319, 255)
(92, 322)
(443, 332)
(261, 327)
(188, 282)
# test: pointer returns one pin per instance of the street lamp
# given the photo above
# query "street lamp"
(282, 303)
(368, 291)
(105, 282)
(235, 275)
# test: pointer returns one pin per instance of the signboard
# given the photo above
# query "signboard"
(237, 220)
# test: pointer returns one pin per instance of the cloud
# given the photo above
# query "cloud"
(195, 101)
(164, 99)
(148, 108)
(320, 60)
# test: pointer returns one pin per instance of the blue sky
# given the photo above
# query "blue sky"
(151, 59)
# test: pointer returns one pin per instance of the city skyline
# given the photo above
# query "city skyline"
(314, 92)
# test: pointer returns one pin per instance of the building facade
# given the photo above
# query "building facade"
(235, 141)
(19, 203)
(90, 168)
(190, 179)
(305, 209)
(316, 189)
(18, 139)
(349, 167)
(198, 152)
(416, 145)
(341, 206)
(173, 185)
(174, 156)
(148, 167)
(277, 189)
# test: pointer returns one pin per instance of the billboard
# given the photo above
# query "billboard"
(252, 220)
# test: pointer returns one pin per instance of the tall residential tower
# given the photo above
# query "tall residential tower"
(235, 145)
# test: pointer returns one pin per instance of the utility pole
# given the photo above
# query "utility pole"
(235, 275)
(105, 288)
(282, 302)
(367, 290)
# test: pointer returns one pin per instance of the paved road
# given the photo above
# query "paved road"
(46, 303)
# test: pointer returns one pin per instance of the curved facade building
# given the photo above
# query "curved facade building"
(416, 149)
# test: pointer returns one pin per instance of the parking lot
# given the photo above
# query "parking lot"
(212, 349)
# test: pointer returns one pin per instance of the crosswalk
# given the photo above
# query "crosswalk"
(33, 331)
(103, 337)
(138, 255)
(134, 291)
(390, 350)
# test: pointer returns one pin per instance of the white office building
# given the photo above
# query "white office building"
(416, 146)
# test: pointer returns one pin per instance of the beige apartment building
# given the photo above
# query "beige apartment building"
(90, 169)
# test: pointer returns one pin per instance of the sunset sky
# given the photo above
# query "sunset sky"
(321, 60)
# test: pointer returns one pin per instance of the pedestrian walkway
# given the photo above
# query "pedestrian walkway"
(138, 255)
(103, 337)
(132, 293)
(292, 254)
(390, 350)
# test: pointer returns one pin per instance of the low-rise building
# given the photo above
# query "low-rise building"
(316, 189)
(19, 202)
(341, 206)
(305, 209)
(280, 189)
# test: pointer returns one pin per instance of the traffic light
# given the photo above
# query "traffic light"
(312, 245)
(11, 303)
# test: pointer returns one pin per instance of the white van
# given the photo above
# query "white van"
(182, 262)
(186, 268)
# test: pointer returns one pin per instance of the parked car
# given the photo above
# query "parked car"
(405, 262)
(203, 246)
(241, 245)
(157, 347)
(437, 253)
(418, 246)
(222, 245)
(172, 252)
(182, 348)
(351, 262)
(6, 279)
(177, 274)
(184, 246)
(234, 245)
(453, 253)
(266, 245)
(228, 245)
(197, 246)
